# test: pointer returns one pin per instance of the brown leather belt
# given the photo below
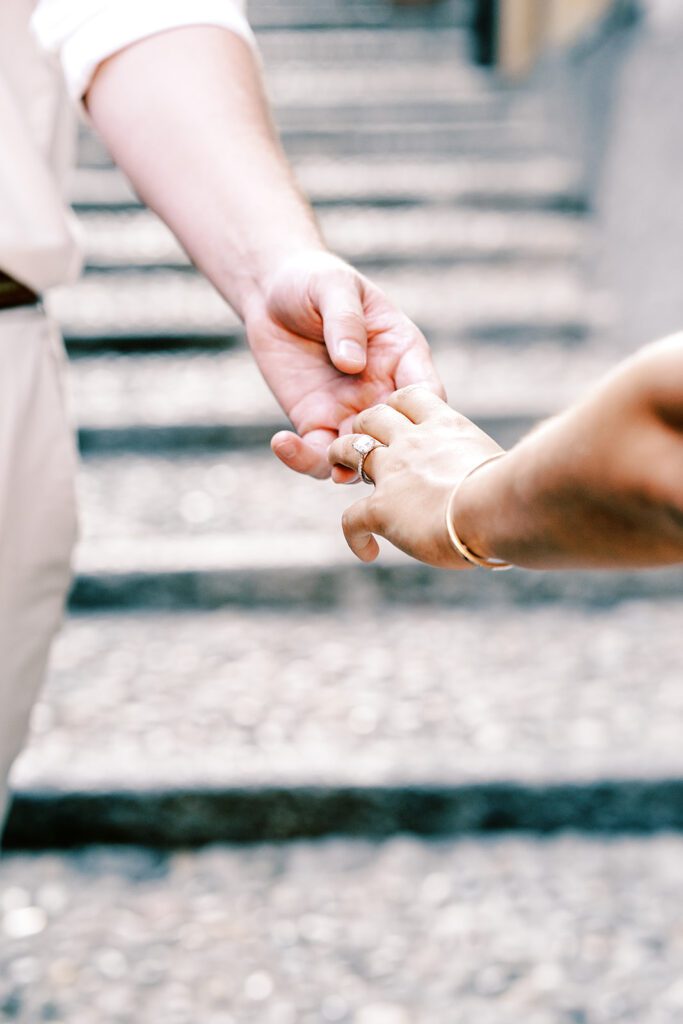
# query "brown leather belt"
(13, 294)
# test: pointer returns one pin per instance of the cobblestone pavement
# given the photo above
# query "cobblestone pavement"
(372, 697)
(571, 931)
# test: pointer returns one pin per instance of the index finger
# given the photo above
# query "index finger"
(417, 402)
(417, 367)
(307, 454)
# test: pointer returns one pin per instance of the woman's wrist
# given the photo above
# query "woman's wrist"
(467, 549)
(476, 508)
(517, 508)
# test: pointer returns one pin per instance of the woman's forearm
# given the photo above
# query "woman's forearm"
(599, 486)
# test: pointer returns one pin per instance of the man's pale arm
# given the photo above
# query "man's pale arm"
(184, 115)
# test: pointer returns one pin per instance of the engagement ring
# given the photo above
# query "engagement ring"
(364, 445)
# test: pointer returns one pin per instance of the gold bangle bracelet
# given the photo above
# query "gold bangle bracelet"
(492, 564)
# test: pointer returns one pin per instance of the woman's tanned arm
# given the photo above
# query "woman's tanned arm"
(599, 486)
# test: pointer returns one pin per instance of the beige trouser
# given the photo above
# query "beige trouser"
(37, 517)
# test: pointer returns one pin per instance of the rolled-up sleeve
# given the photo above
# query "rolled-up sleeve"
(83, 33)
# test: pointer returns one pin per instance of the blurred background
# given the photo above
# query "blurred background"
(266, 783)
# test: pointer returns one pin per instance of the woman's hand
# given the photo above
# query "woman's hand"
(429, 450)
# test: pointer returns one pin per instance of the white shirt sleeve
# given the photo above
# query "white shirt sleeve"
(83, 33)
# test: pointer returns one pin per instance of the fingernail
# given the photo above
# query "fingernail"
(352, 352)
(287, 451)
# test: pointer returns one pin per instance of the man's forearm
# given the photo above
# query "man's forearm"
(184, 115)
(599, 486)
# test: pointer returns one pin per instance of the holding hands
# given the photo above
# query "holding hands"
(600, 485)
(330, 343)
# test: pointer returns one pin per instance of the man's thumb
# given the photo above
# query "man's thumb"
(344, 330)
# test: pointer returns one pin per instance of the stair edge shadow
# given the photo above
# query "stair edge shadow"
(179, 818)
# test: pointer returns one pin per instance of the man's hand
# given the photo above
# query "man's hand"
(329, 343)
(221, 182)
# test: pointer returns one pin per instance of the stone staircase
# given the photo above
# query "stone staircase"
(229, 674)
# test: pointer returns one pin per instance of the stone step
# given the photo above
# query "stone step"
(493, 383)
(336, 14)
(485, 302)
(253, 725)
(356, 48)
(375, 238)
(437, 85)
(531, 182)
(315, 569)
(206, 493)
(499, 931)
(541, 183)
(503, 138)
(413, 115)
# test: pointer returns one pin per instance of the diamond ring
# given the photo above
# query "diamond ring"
(364, 445)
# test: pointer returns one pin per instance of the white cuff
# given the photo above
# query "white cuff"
(83, 33)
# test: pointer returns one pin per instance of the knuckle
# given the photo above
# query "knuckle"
(443, 418)
(408, 389)
(457, 420)
(371, 413)
(413, 444)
